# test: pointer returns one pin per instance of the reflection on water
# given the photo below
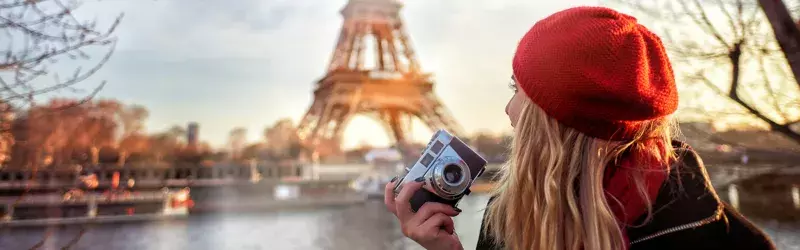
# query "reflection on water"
(733, 196)
(366, 226)
(778, 202)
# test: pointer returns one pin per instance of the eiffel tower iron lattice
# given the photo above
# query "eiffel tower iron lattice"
(394, 90)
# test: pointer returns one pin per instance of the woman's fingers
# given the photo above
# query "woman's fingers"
(437, 224)
(402, 204)
(428, 210)
(388, 197)
(429, 224)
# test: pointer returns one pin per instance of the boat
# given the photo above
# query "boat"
(372, 185)
(94, 194)
(76, 206)
(386, 164)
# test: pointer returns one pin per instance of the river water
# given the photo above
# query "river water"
(363, 226)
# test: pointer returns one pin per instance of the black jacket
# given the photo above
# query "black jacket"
(687, 214)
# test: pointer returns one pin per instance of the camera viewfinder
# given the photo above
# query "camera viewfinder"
(426, 160)
(437, 147)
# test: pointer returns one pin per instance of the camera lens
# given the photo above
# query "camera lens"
(450, 177)
(453, 174)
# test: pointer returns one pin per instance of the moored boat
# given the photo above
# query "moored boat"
(93, 207)
(61, 196)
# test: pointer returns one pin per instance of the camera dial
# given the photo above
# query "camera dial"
(450, 177)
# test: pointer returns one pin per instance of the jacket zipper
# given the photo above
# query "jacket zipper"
(715, 217)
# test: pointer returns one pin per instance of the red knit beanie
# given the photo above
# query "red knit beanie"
(597, 71)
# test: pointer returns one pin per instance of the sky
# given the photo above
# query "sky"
(249, 63)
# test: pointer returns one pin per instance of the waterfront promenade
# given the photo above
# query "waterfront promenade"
(366, 226)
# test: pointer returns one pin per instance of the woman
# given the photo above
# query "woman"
(593, 164)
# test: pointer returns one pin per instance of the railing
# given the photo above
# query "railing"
(213, 188)
(90, 201)
(722, 176)
(147, 176)
(87, 198)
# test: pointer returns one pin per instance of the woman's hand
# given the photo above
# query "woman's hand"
(431, 226)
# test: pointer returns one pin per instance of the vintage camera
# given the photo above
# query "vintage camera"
(448, 167)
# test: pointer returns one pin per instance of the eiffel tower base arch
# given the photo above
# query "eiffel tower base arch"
(394, 91)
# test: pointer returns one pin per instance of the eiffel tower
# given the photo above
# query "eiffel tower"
(393, 91)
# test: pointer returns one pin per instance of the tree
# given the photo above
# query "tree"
(34, 37)
(132, 119)
(67, 131)
(786, 33)
(132, 144)
(53, 131)
(38, 34)
(734, 56)
(193, 154)
(283, 142)
(97, 132)
(253, 151)
(238, 138)
(164, 146)
(160, 145)
(177, 133)
(76, 131)
(6, 135)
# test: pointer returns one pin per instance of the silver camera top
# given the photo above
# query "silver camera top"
(443, 167)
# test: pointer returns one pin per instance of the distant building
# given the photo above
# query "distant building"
(383, 155)
(192, 131)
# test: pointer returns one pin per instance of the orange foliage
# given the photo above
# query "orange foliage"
(68, 131)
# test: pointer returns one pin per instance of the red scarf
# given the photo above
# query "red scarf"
(621, 194)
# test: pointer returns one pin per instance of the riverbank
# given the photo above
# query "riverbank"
(90, 220)
(482, 187)
(363, 226)
(262, 205)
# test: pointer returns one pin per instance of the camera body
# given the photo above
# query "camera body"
(448, 167)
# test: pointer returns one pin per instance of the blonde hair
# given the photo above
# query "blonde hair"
(550, 193)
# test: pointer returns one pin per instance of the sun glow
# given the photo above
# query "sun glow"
(363, 130)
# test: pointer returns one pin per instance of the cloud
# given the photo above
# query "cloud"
(249, 62)
(242, 28)
(470, 47)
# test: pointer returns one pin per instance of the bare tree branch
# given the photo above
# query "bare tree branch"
(708, 83)
(734, 30)
(774, 98)
(740, 39)
(786, 33)
(34, 36)
(700, 110)
(734, 96)
(13, 4)
(701, 19)
(37, 39)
